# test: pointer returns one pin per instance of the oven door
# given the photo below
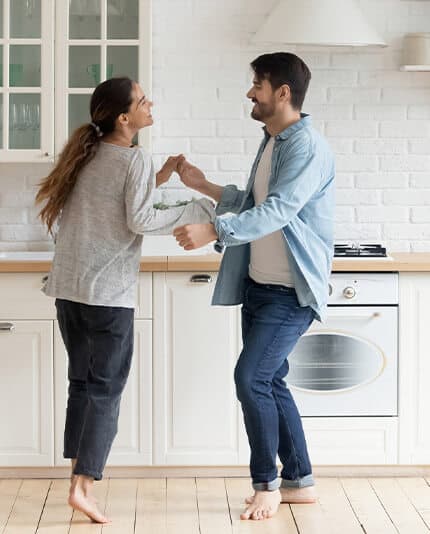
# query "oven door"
(348, 364)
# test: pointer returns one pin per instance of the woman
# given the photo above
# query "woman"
(101, 193)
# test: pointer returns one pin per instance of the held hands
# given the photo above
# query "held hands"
(193, 236)
(170, 166)
(191, 176)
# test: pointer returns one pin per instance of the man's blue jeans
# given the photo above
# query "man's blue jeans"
(272, 323)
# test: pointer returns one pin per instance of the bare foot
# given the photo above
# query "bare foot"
(72, 477)
(293, 495)
(265, 504)
(80, 498)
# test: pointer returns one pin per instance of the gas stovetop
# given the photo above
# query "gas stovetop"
(360, 250)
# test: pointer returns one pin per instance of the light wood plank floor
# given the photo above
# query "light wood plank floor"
(213, 505)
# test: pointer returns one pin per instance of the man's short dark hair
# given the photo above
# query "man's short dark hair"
(282, 68)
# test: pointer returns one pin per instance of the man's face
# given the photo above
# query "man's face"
(264, 98)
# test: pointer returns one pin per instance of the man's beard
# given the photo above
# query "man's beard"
(262, 112)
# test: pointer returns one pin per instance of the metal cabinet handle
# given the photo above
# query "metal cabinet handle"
(201, 279)
(6, 327)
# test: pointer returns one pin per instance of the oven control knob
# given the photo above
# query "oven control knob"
(349, 292)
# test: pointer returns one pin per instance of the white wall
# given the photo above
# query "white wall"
(376, 118)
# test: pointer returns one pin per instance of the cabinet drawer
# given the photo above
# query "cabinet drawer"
(21, 297)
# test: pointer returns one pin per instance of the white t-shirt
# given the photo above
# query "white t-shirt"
(269, 261)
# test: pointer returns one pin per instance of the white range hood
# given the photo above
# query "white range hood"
(318, 22)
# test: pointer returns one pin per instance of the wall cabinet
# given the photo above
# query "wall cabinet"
(52, 55)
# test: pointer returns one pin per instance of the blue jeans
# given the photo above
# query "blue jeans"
(272, 323)
(99, 344)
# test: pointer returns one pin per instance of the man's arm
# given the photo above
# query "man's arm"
(298, 178)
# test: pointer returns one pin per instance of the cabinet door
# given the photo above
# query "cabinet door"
(26, 391)
(97, 40)
(196, 414)
(414, 368)
(26, 80)
(133, 443)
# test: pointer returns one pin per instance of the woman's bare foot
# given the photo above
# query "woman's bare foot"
(80, 498)
(72, 476)
(305, 495)
(264, 504)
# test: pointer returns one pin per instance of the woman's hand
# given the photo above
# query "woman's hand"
(170, 166)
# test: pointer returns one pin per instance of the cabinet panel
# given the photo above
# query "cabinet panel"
(133, 443)
(26, 394)
(351, 440)
(414, 368)
(195, 350)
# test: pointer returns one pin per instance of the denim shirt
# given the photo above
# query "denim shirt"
(300, 201)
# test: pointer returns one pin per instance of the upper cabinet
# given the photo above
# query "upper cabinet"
(26, 80)
(64, 48)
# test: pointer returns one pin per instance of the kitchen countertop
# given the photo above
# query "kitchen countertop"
(19, 262)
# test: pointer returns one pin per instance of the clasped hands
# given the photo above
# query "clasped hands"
(189, 236)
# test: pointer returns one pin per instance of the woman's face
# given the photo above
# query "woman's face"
(139, 113)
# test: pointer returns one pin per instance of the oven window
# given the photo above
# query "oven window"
(331, 361)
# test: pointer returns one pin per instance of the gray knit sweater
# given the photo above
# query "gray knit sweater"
(99, 241)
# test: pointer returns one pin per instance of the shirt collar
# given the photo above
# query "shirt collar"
(305, 120)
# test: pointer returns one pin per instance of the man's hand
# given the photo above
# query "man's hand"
(193, 236)
(191, 176)
(170, 166)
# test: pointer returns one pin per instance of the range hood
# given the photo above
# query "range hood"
(318, 22)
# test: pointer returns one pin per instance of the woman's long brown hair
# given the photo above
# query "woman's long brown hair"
(109, 100)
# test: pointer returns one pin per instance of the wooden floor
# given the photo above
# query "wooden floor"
(213, 505)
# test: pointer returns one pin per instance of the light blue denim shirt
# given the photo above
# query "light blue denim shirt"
(300, 201)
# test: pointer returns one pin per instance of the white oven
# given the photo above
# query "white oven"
(347, 365)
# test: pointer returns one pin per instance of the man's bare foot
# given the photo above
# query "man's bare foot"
(265, 504)
(293, 495)
(80, 498)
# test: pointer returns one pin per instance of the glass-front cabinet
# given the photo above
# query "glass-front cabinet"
(69, 45)
(26, 80)
(97, 40)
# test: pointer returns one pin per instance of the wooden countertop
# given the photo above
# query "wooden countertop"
(402, 262)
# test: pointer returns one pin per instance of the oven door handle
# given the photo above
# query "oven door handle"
(343, 314)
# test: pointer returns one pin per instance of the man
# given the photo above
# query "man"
(279, 249)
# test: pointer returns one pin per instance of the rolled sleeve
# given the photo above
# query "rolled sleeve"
(230, 201)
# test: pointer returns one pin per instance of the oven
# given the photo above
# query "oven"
(347, 366)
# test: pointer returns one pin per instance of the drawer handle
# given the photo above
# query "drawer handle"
(201, 279)
(6, 327)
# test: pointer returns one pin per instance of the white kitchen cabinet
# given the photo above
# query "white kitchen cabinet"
(26, 80)
(64, 48)
(26, 393)
(414, 369)
(196, 415)
(94, 41)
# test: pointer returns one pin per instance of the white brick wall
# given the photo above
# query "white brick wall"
(376, 118)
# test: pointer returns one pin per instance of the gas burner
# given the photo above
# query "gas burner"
(361, 250)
